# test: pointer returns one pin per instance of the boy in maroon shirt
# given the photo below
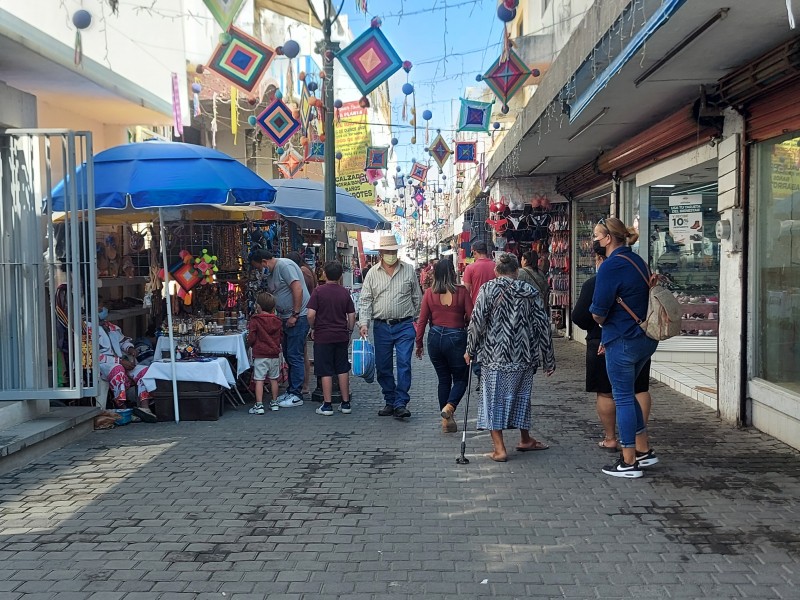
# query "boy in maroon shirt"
(332, 316)
(480, 271)
(264, 334)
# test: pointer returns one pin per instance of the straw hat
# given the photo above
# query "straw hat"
(387, 242)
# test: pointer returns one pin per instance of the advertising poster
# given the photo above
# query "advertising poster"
(785, 171)
(352, 139)
(686, 219)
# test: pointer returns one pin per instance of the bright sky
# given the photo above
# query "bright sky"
(449, 42)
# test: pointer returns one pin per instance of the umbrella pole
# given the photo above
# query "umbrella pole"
(169, 316)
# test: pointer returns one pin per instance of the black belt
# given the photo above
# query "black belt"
(393, 322)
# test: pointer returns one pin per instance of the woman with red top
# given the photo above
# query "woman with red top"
(448, 307)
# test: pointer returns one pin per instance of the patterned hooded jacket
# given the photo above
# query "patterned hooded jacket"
(510, 329)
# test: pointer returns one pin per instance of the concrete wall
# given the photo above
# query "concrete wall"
(17, 108)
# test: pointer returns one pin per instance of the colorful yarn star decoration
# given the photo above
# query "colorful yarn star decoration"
(440, 151)
(277, 122)
(419, 172)
(466, 152)
(370, 60)
(290, 163)
(224, 11)
(242, 59)
(377, 157)
(507, 76)
(474, 116)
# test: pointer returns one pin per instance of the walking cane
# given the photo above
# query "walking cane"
(463, 460)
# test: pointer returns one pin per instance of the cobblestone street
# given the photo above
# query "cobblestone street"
(294, 505)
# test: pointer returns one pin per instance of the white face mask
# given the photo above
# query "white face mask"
(390, 259)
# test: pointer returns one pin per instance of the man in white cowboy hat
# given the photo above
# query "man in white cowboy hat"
(390, 299)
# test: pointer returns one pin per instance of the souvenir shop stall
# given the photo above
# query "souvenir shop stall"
(525, 214)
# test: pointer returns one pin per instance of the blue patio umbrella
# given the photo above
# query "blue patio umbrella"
(303, 201)
(150, 175)
(156, 175)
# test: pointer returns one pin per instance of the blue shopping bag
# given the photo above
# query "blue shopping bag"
(364, 359)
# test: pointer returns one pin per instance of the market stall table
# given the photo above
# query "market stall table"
(213, 371)
(230, 345)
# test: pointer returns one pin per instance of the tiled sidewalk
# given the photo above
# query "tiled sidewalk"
(295, 505)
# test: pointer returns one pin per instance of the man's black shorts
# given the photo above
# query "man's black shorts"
(331, 359)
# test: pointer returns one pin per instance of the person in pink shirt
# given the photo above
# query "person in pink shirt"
(480, 271)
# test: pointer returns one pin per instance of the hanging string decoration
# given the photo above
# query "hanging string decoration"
(377, 157)
(277, 122)
(290, 163)
(196, 89)
(507, 76)
(224, 11)
(440, 151)
(419, 172)
(466, 152)
(370, 60)
(176, 106)
(82, 19)
(243, 60)
(234, 113)
(427, 116)
(474, 116)
(361, 6)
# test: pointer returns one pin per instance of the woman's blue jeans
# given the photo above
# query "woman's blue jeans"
(446, 348)
(625, 358)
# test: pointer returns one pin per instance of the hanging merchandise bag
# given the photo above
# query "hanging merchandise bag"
(364, 359)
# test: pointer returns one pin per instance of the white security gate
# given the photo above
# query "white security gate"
(48, 270)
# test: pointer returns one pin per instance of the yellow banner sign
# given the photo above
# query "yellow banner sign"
(352, 139)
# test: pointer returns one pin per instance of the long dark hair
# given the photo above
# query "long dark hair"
(531, 258)
(444, 277)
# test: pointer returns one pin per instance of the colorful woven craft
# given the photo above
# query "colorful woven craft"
(440, 151)
(315, 149)
(277, 122)
(466, 152)
(377, 157)
(242, 61)
(374, 175)
(305, 108)
(506, 77)
(419, 172)
(474, 115)
(290, 163)
(370, 60)
(224, 11)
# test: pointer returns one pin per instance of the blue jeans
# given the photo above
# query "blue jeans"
(446, 347)
(391, 339)
(294, 345)
(625, 358)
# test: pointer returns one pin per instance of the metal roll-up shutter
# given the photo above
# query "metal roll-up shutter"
(669, 137)
(581, 180)
(774, 114)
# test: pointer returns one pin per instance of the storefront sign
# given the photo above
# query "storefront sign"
(352, 140)
(785, 173)
(686, 219)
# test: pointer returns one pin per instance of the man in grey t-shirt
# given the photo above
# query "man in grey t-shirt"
(285, 282)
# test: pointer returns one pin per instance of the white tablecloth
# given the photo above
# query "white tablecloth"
(216, 370)
(217, 344)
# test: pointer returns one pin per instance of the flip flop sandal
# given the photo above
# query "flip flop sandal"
(606, 444)
(538, 446)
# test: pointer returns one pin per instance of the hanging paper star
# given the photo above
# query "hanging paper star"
(474, 115)
(466, 152)
(370, 60)
(290, 163)
(377, 157)
(440, 151)
(242, 61)
(507, 76)
(277, 122)
(224, 11)
(419, 172)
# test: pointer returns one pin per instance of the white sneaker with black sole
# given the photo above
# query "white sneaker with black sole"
(622, 469)
(646, 459)
(289, 401)
(258, 409)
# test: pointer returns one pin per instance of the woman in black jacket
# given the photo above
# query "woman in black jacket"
(596, 374)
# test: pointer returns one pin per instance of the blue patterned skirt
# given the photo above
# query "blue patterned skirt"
(505, 399)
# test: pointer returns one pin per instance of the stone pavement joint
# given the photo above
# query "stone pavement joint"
(293, 505)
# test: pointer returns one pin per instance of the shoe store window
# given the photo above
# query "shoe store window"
(776, 263)
(683, 246)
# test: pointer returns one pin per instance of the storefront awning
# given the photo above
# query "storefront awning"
(294, 9)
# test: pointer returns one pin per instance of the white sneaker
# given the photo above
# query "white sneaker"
(258, 409)
(290, 400)
(273, 405)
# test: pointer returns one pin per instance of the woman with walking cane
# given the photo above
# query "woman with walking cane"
(510, 333)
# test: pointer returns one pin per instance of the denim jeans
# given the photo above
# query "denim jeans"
(446, 347)
(294, 344)
(625, 358)
(390, 340)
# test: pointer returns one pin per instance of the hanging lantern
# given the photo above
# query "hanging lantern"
(408, 89)
(199, 69)
(251, 120)
(407, 64)
(291, 49)
(338, 156)
(225, 38)
(376, 22)
(505, 14)
(279, 151)
(364, 102)
(427, 115)
(312, 86)
(82, 19)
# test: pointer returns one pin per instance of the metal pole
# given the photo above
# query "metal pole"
(174, 369)
(326, 48)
